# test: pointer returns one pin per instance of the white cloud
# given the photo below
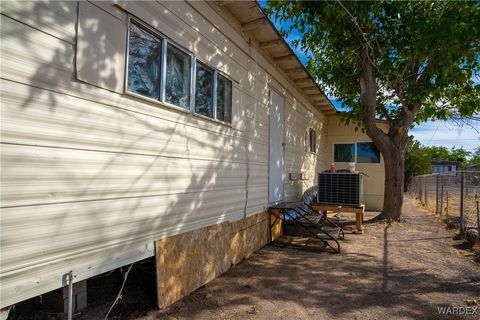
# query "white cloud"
(447, 134)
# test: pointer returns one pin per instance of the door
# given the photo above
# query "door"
(275, 168)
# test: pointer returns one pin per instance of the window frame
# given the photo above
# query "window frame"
(164, 76)
(214, 86)
(165, 41)
(140, 24)
(312, 148)
(217, 74)
(355, 154)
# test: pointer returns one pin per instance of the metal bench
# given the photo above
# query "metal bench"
(323, 229)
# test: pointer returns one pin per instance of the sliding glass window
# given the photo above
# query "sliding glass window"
(224, 99)
(177, 82)
(144, 63)
(159, 70)
(204, 91)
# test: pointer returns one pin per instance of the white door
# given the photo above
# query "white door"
(275, 169)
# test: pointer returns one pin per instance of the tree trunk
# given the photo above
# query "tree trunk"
(391, 144)
(394, 180)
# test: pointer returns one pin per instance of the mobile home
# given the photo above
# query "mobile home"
(139, 129)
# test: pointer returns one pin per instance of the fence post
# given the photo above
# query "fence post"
(441, 203)
(478, 219)
(436, 197)
(426, 192)
(462, 186)
(447, 204)
(419, 189)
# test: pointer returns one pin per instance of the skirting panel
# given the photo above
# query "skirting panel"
(187, 261)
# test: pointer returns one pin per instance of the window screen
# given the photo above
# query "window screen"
(204, 91)
(177, 84)
(144, 51)
(224, 99)
(344, 152)
(367, 153)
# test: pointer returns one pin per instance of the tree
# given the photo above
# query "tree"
(475, 160)
(418, 158)
(417, 161)
(405, 62)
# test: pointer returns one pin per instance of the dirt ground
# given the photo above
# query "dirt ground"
(393, 271)
(402, 270)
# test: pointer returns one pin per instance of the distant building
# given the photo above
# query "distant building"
(443, 166)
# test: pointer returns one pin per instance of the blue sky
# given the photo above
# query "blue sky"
(431, 133)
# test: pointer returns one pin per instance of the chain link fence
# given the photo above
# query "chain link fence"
(453, 196)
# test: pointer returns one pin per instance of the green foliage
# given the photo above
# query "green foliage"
(418, 158)
(425, 53)
(475, 159)
(417, 162)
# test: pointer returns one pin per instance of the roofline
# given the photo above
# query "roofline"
(294, 54)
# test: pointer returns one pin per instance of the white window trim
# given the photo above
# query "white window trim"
(355, 155)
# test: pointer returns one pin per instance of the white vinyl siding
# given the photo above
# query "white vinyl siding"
(92, 176)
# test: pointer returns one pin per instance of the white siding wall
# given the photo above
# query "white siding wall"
(91, 177)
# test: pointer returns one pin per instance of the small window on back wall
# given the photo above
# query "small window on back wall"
(344, 152)
(312, 141)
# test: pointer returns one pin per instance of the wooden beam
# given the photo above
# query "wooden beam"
(307, 86)
(285, 58)
(254, 24)
(224, 3)
(271, 44)
(295, 75)
(303, 80)
(293, 70)
(308, 81)
(322, 104)
(324, 108)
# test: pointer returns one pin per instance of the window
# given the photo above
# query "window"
(159, 70)
(204, 91)
(367, 153)
(224, 99)
(177, 83)
(312, 141)
(144, 52)
(344, 152)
